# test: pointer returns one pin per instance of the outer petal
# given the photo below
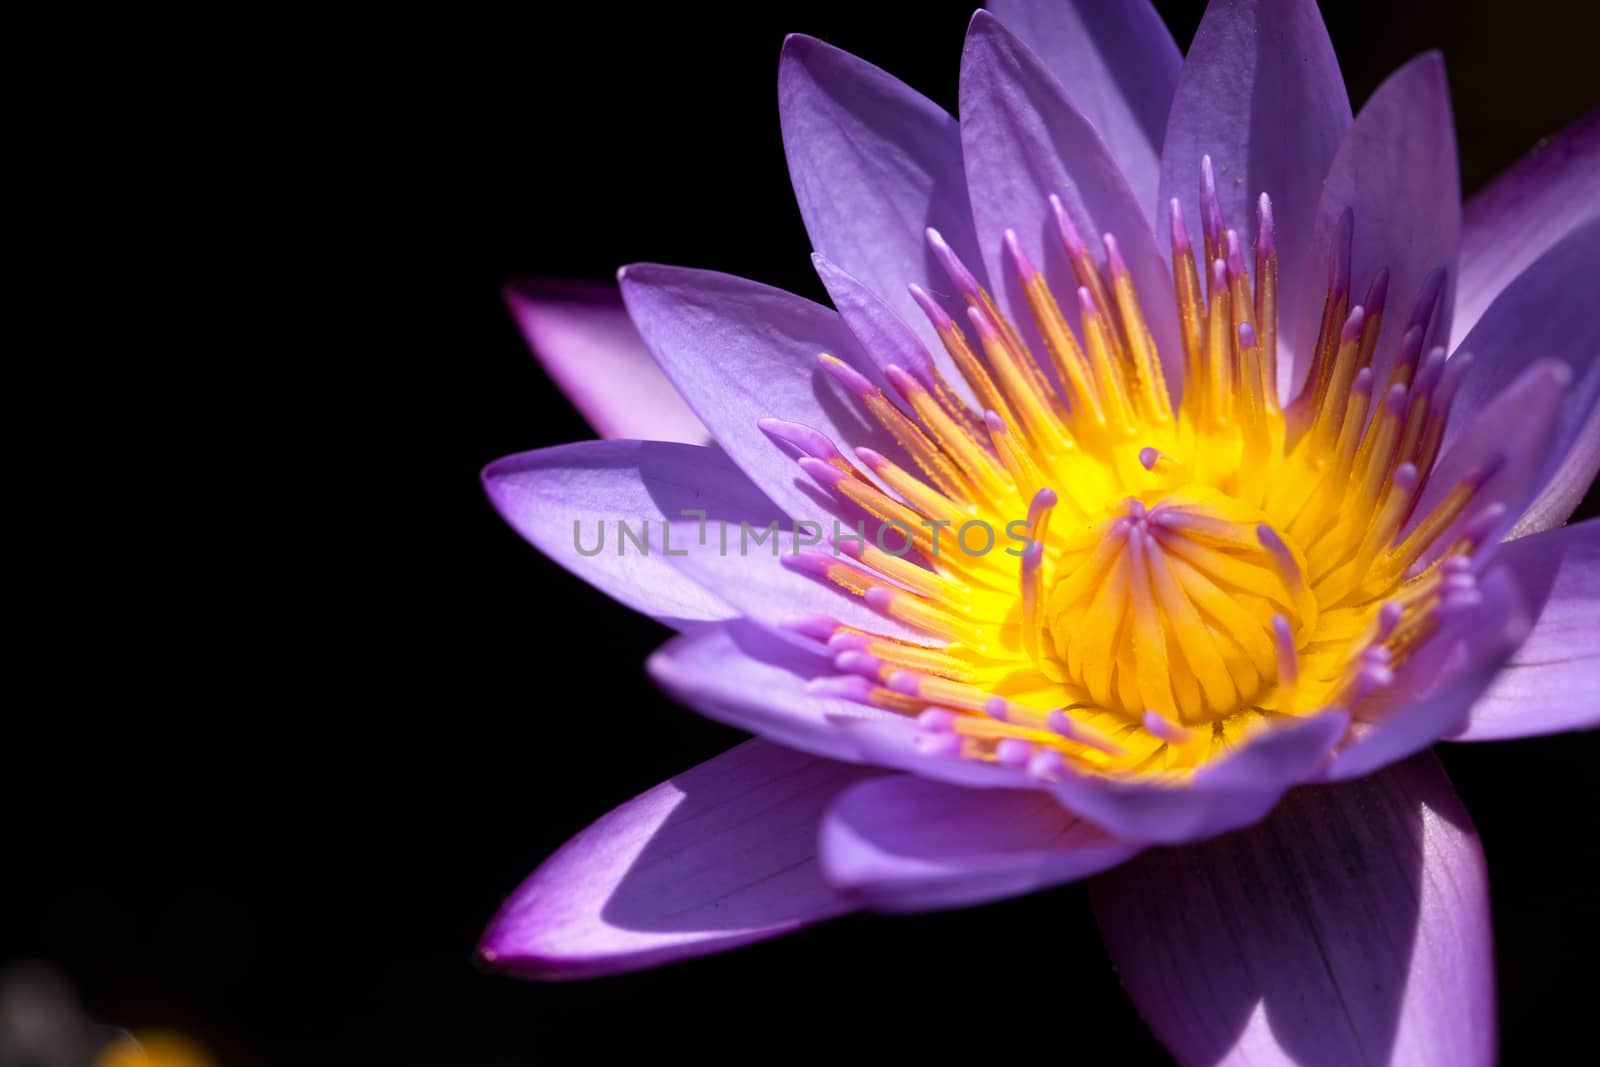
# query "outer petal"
(1435, 687)
(1350, 927)
(1261, 94)
(874, 164)
(583, 338)
(1510, 224)
(1119, 67)
(1549, 311)
(558, 498)
(1396, 169)
(740, 351)
(1024, 141)
(720, 856)
(1232, 792)
(747, 676)
(1553, 681)
(904, 843)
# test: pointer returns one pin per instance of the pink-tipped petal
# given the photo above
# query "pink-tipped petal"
(583, 338)
(720, 856)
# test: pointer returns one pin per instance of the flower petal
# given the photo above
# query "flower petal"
(874, 164)
(1552, 682)
(1435, 687)
(585, 341)
(720, 856)
(569, 499)
(1231, 792)
(1119, 67)
(1396, 170)
(1548, 312)
(740, 351)
(1350, 927)
(1023, 142)
(903, 843)
(1260, 93)
(1509, 225)
(743, 674)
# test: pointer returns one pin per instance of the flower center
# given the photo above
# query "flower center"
(1192, 570)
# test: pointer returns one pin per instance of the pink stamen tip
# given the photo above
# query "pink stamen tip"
(811, 442)
(1165, 729)
(939, 745)
(1394, 401)
(1371, 678)
(1481, 525)
(879, 598)
(1210, 206)
(1071, 239)
(1283, 638)
(980, 322)
(1042, 501)
(846, 547)
(1266, 239)
(825, 474)
(997, 709)
(1432, 368)
(1019, 258)
(1406, 478)
(845, 687)
(1456, 600)
(817, 627)
(996, 424)
(1031, 557)
(1219, 274)
(1180, 232)
(1013, 752)
(1235, 251)
(874, 461)
(852, 380)
(938, 720)
(1427, 298)
(1456, 565)
(812, 564)
(1148, 457)
(1484, 473)
(1114, 261)
(902, 380)
(1046, 763)
(1377, 293)
(1247, 335)
(1086, 306)
(904, 682)
(846, 641)
(1060, 722)
(1376, 656)
(856, 662)
(937, 315)
(1353, 325)
(960, 276)
(1137, 509)
(1363, 383)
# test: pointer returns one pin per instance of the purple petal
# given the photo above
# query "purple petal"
(1552, 682)
(903, 843)
(874, 164)
(1119, 67)
(1396, 169)
(1232, 792)
(1262, 95)
(1549, 311)
(1435, 687)
(740, 351)
(746, 676)
(584, 339)
(720, 856)
(1024, 142)
(1517, 436)
(558, 498)
(1524, 211)
(1350, 927)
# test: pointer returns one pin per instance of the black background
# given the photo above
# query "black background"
(284, 769)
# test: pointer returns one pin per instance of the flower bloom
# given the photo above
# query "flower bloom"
(1219, 452)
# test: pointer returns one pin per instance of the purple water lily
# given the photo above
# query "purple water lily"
(1176, 440)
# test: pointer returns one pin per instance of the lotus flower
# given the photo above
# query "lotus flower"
(1175, 440)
